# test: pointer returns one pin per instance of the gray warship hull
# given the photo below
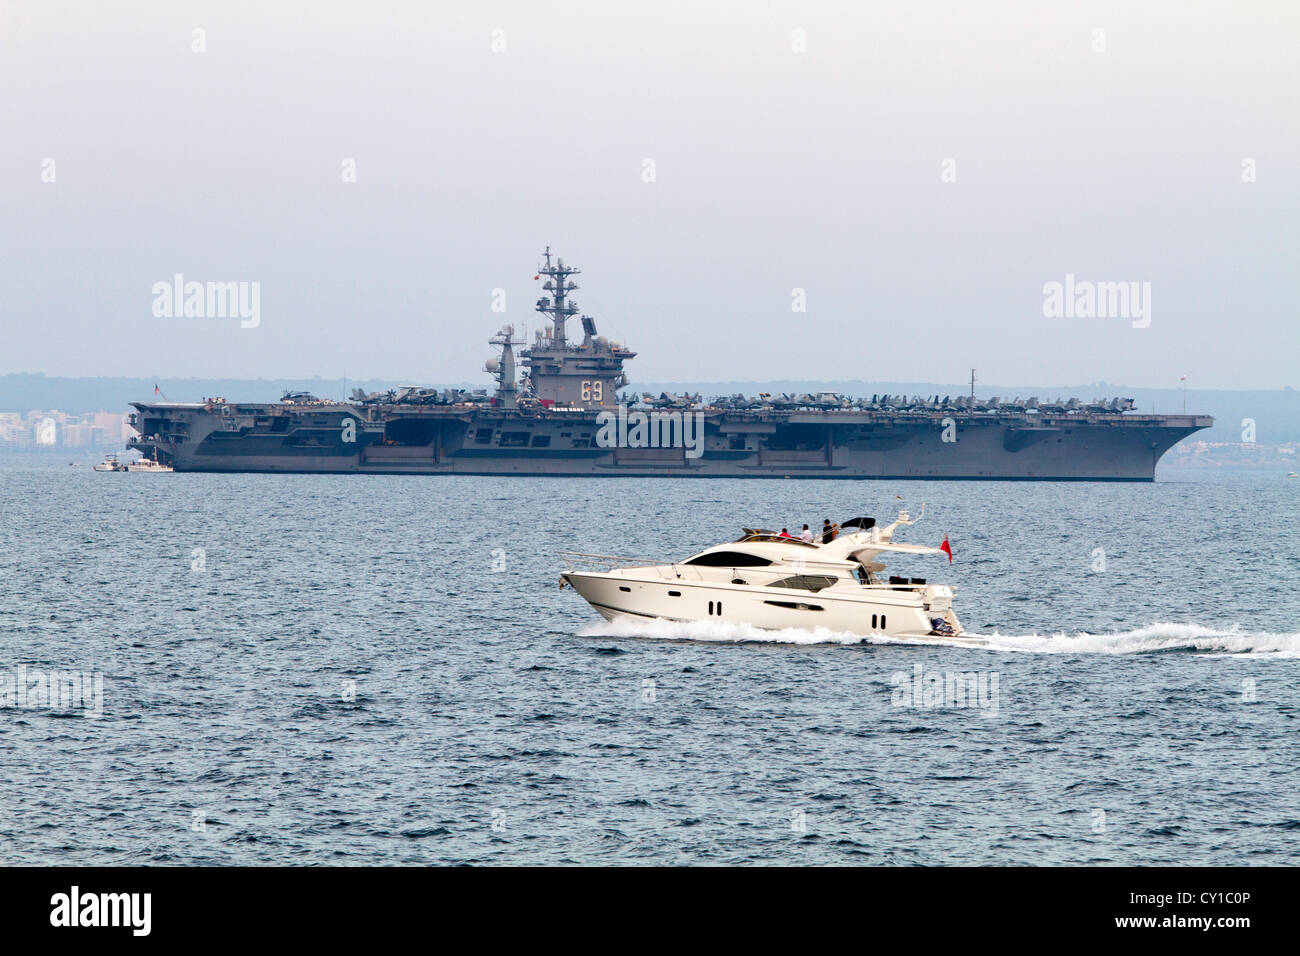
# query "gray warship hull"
(341, 438)
(553, 417)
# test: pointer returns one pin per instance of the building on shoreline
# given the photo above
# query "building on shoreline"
(41, 429)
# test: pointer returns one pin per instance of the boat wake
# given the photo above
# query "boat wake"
(1153, 638)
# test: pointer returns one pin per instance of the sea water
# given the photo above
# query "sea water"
(381, 669)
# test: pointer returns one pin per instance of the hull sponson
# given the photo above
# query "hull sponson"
(338, 438)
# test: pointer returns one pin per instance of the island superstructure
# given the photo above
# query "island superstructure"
(554, 400)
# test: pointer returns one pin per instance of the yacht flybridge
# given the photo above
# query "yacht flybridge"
(775, 581)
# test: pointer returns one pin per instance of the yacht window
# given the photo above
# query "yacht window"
(795, 606)
(805, 582)
(729, 559)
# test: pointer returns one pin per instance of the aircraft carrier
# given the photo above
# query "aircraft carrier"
(556, 410)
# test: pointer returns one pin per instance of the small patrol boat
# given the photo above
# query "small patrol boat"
(150, 464)
(110, 463)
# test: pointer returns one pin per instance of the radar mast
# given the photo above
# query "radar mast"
(557, 305)
(587, 374)
(504, 368)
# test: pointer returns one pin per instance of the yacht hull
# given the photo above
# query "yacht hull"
(886, 612)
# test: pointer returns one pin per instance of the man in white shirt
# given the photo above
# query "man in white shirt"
(806, 535)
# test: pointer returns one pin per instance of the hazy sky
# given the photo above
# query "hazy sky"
(795, 146)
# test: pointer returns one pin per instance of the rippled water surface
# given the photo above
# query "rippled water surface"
(1141, 685)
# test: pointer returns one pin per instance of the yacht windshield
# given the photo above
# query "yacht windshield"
(729, 559)
(805, 582)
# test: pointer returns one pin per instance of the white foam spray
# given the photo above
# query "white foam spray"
(1152, 638)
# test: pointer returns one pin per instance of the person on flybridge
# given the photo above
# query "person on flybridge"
(806, 535)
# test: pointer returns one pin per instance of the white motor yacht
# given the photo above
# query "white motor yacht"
(774, 581)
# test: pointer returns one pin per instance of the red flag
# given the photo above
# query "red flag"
(946, 547)
(156, 391)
